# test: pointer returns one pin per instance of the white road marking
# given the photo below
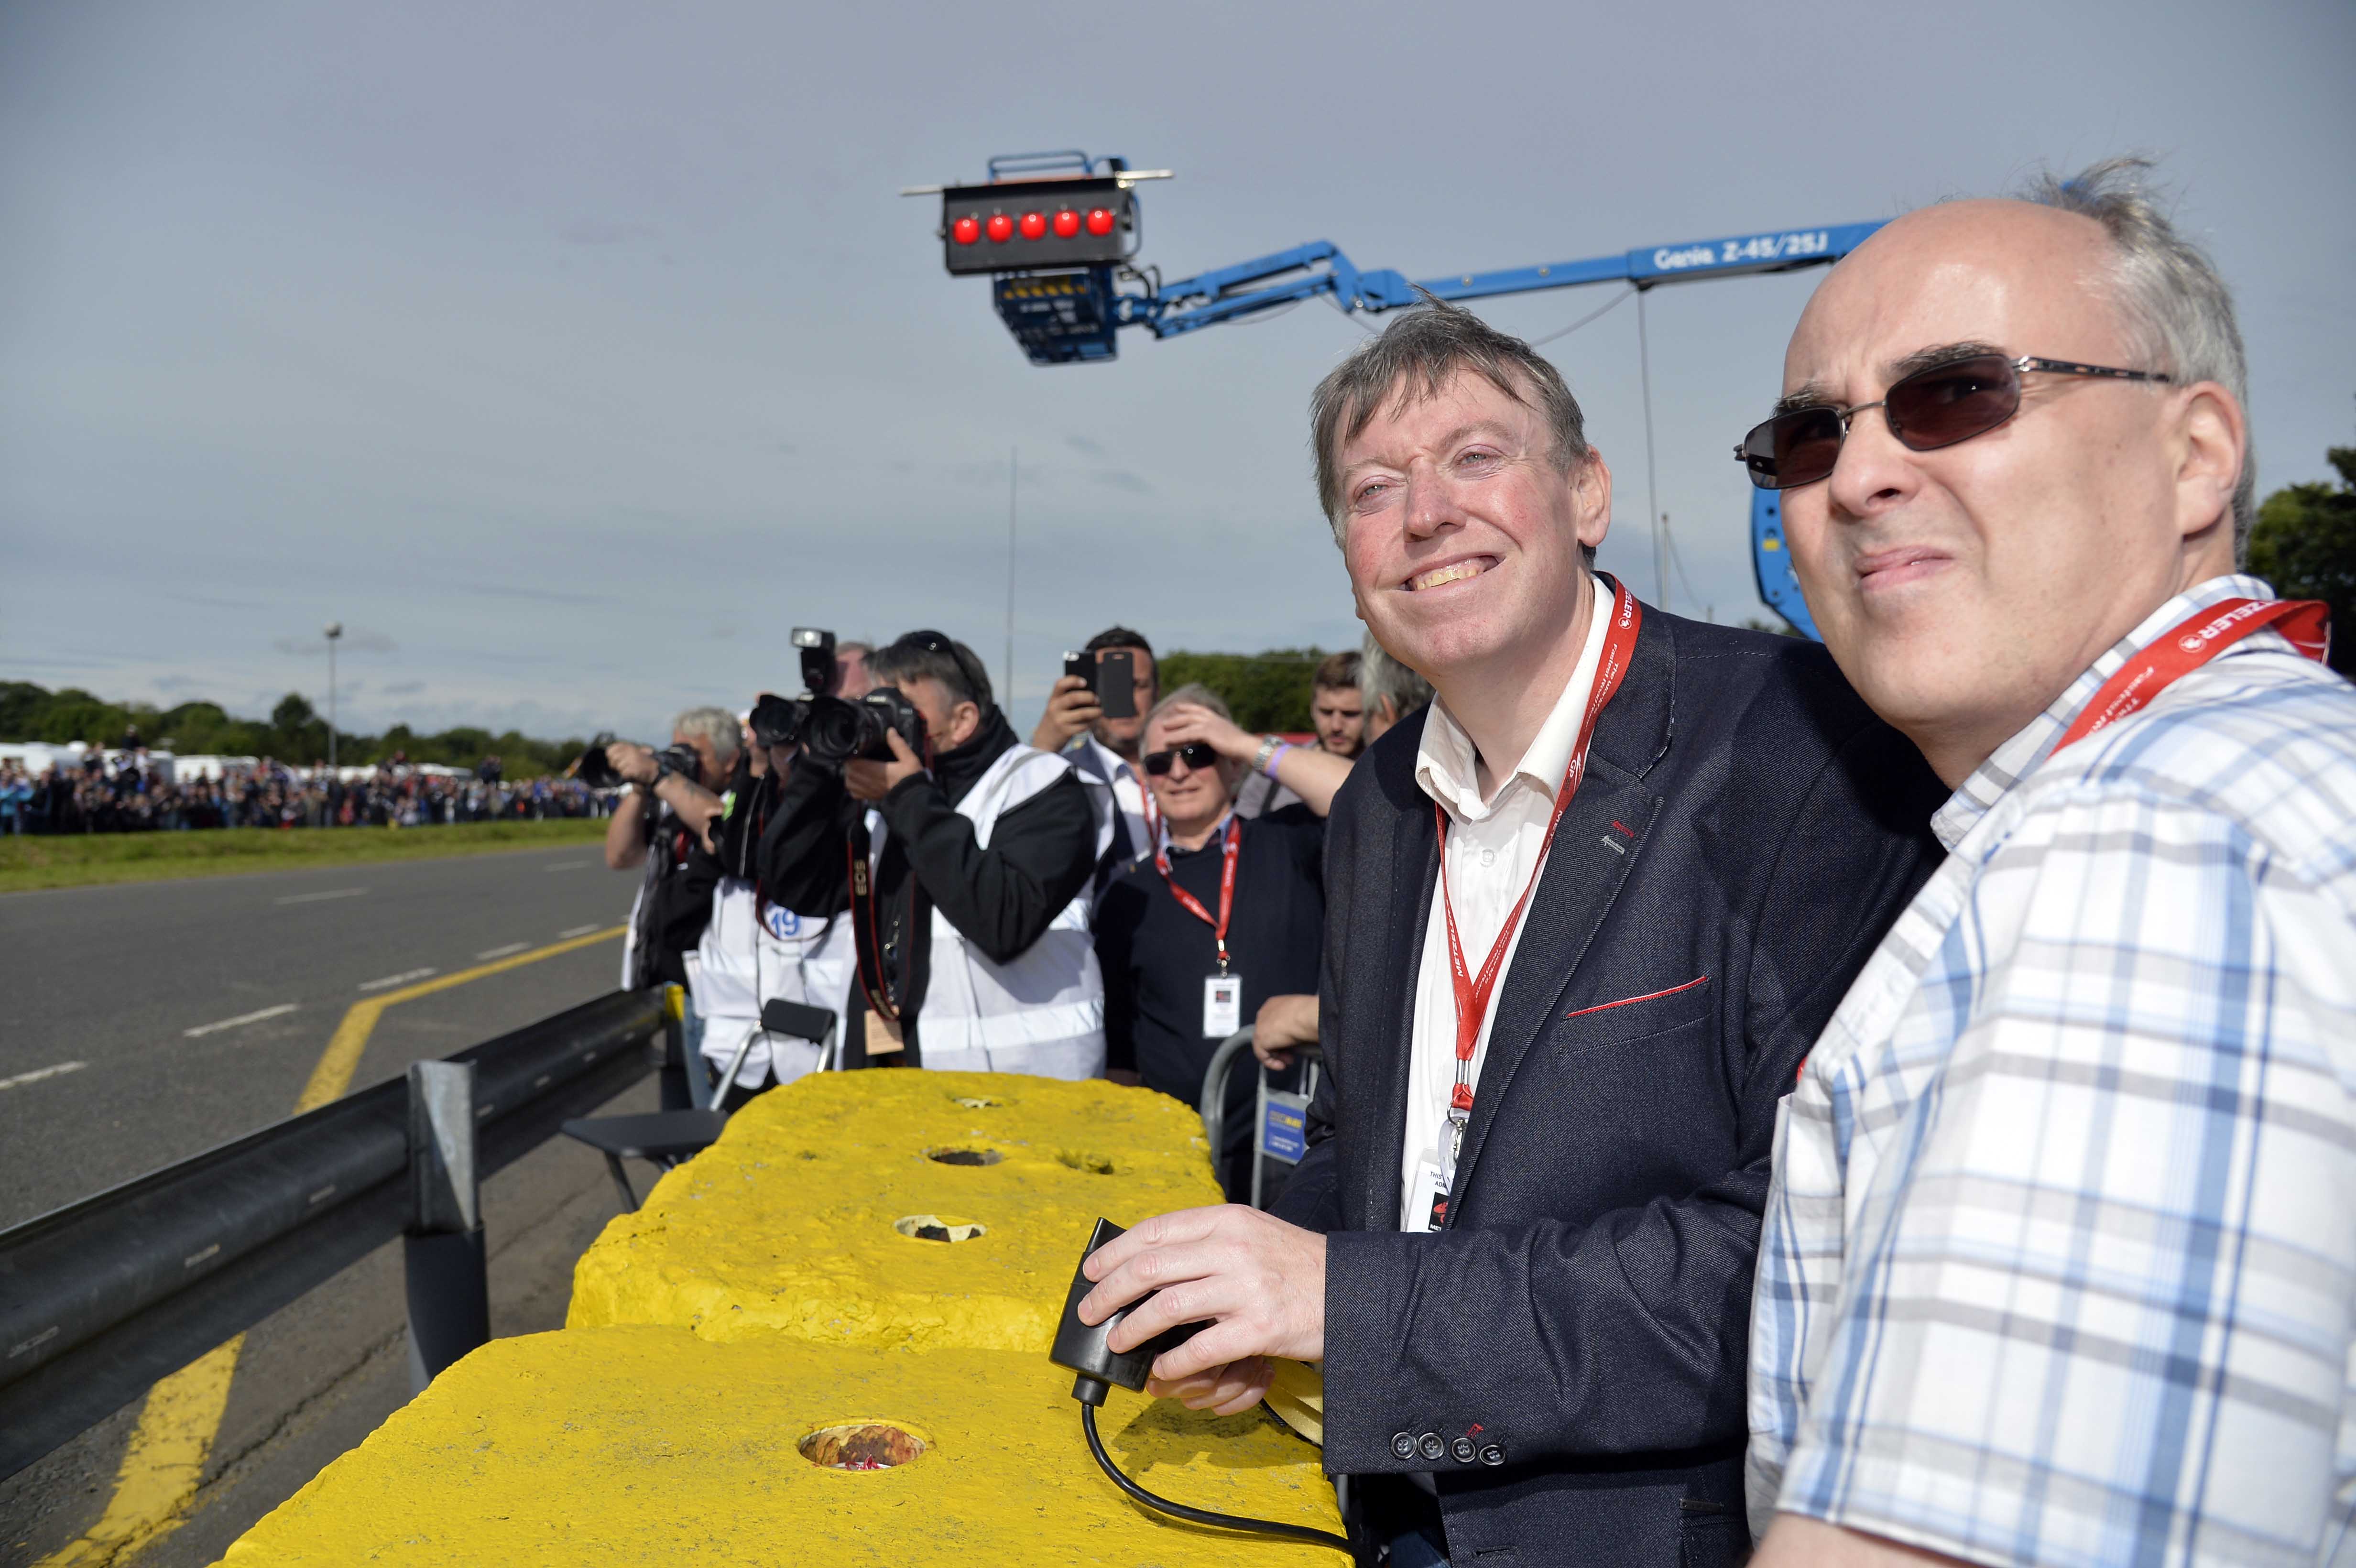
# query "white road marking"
(577, 931)
(320, 898)
(565, 866)
(242, 1019)
(490, 953)
(399, 979)
(37, 1073)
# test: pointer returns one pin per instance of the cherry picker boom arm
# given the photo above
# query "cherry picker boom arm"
(1058, 233)
(1319, 267)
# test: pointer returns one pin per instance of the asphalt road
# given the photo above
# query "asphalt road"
(142, 1023)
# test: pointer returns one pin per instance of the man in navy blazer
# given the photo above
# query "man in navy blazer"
(1523, 1240)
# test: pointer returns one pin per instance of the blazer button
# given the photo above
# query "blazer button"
(1403, 1446)
(1493, 1455)
(1460, 1450)
(1433, 1445)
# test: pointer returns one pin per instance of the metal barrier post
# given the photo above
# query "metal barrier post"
(1214, 1104)
(677, 1089)
(449, 1282)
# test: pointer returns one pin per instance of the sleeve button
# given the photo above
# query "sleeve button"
(1460, 1450)
(1403, 1446)
(1493, 1455)
(1434, 1447)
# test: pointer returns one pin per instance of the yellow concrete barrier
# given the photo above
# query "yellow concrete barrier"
(650, 1446)
(926, 1210)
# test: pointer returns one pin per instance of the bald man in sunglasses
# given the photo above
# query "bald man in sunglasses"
(2061, 1253)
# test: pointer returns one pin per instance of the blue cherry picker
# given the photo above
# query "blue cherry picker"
(1058, 236)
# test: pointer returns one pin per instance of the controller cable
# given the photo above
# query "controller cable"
(1087, 1386)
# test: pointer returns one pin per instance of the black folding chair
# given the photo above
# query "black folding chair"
(664, 1138)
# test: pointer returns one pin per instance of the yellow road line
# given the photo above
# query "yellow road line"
(165, 1459)
(342, 1057)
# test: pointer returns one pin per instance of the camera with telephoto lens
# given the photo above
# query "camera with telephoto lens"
(591, 766)
(776, 720)
(835, 731)
(594, 768)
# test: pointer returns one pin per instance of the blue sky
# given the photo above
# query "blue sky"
(570, 354)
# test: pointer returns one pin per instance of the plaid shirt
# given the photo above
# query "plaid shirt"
(2059, 1266)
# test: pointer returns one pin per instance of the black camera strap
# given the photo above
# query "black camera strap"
(866, 931)
(880, 934)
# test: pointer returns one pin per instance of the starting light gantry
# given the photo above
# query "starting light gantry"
(1058, 235)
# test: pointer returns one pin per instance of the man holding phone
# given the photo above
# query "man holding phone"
(1097, 713)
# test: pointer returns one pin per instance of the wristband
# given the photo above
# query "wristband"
(1275, 757)
(1268, 746)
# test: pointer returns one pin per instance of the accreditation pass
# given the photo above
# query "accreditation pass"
(1223, 1006)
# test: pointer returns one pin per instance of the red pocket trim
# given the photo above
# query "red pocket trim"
(1631, 1001)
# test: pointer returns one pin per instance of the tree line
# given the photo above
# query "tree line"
(294, 733)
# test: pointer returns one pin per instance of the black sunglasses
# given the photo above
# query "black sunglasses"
(1198, 756)
(1930, 409)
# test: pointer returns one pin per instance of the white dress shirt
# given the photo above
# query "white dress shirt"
(1128, 796)
(1492, 855)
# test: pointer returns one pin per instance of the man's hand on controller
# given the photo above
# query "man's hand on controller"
(1256, 1283)
(871, 781)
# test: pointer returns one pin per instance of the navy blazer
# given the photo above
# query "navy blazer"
(1573, 1341)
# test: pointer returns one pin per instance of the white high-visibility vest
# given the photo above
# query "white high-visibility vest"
(1043, 1012)
(754, 952)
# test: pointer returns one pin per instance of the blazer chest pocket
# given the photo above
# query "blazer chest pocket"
(1627, 1019)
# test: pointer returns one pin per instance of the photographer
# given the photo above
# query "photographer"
(974, 953)
(755, 951)
(661, 825)
(1105, 749)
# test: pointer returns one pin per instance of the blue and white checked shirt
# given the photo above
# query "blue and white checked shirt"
(2059, 1264)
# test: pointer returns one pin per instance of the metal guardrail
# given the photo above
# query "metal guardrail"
(102, 1298)
(1214, 1104)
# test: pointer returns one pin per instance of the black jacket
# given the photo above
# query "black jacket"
(1745, 833)
(1040, 854)
(675, 902)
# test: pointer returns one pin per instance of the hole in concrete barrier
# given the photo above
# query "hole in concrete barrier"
(978, 1102)
(1078, 1159)
(934, 1228)
(861, 1446)
(964, 1155)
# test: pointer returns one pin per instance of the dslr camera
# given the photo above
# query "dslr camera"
(593, 768)
(829, 729)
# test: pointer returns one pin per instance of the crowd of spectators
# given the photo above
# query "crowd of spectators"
(131, 792)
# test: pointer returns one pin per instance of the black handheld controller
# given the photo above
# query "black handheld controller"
(1081, 1348)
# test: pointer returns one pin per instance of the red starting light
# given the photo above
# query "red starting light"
(1002, 228)
(965, 230)
(1100, 221)
(1068, 224)
(1035, 226)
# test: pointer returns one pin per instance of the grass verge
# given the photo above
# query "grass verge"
(75, 860)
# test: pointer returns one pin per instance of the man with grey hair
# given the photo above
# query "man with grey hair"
(1584, 917)
(2061, 1249)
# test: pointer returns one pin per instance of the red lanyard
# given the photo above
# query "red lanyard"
(2191, 644)
(1226, 888)
(1472, 992)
